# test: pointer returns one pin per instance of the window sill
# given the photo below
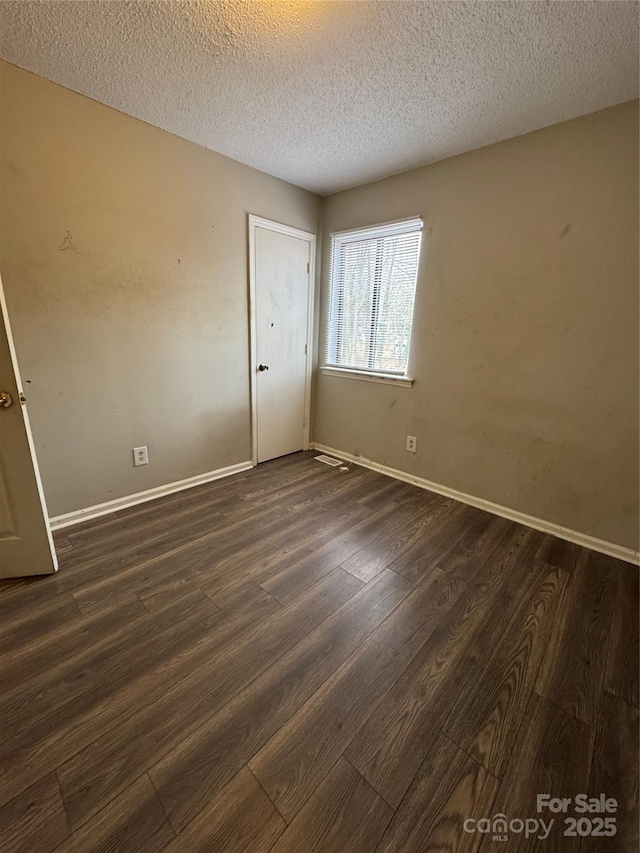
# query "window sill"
(381, 378)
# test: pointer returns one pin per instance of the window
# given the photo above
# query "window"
(372, 291)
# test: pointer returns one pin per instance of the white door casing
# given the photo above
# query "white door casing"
(26, 545)
(281, 275)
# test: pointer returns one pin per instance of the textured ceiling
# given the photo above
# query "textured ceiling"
(333, 94)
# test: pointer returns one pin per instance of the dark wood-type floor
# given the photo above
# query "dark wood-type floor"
(297, 659)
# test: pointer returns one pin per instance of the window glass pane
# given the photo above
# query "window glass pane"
(356, 298)
(395, 314)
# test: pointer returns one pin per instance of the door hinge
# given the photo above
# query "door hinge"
(305, 349)
(308, 267)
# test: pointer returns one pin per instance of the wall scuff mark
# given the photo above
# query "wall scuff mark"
(67, 243)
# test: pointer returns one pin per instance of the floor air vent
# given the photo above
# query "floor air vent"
(328, 460)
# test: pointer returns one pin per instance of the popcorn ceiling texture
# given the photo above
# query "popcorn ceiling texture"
(329, 95)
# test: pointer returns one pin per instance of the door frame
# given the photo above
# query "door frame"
(255, 222)
(21, 404)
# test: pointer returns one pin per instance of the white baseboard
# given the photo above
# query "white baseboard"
(601, 545)
(79, 515)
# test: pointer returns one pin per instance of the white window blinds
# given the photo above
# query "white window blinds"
(372, 291)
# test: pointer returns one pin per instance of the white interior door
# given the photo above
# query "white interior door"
(282, 272)
(26, 546)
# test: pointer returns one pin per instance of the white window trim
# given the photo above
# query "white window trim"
(398, 379)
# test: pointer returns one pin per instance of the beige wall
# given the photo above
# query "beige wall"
(142, 336)
(525, 345)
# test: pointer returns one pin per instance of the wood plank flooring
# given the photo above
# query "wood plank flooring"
(298, 659)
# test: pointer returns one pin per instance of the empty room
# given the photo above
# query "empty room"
(319, 426)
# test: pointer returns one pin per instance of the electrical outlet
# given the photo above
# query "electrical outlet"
(140, 456)
(412, 443)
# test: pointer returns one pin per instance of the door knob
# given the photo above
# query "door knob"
(5, 400)
(263, 367)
